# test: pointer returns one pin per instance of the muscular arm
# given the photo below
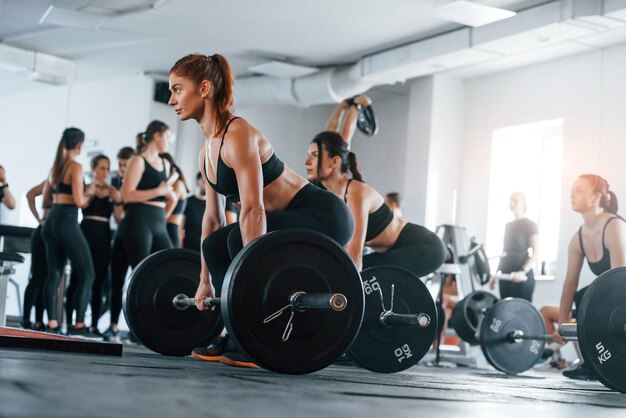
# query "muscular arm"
(242, 152)
(360, 211)
(30, 198)
(574, 265)
(335, 117)
(211, 220)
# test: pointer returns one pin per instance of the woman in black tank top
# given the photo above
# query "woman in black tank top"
(97, 231)
(62, 236)
(394, 241)
(145, 191)
(237, 161)
(601, 240)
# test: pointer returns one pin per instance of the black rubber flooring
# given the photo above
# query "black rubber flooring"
(36, 383)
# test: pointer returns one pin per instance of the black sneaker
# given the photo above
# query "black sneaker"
(214, 351)
(581, 372)
(95, 332)
(39, 326)
(26, 324)
(82, 333)
(112, 336)
(56, 330)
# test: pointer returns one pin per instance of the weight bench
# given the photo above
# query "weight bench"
(13, 240)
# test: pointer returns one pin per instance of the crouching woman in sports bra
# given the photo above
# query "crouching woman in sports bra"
(602, 237)
(394, 240)
(238, 162)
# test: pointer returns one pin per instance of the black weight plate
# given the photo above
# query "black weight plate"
(392, 349)
(504, 317)
(602, 328)
(148, 304)
(481, 262)
(468, 313)
(260, 281)
(366, 121)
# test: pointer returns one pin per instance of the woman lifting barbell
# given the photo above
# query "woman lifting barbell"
(598, 238)
(238, 162)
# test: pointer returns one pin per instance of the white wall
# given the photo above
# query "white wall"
(110, 112)
(589, 92)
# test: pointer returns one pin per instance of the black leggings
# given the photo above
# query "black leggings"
(578, 298)
(63, 237)
(119, 268)
(98, 236)
(172, 232)
(33, 295)
(417, 249)
(522, 290)
(311, 208)
(145, 232)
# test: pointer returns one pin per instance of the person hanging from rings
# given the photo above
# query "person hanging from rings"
(238, 162)
(602, 238)
(394, 240)
(33, 294)
(62, 235)
(521, 238)
(145, 191)
(175, 208)
(119, 258)
(97, 231)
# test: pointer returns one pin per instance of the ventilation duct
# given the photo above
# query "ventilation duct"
(533, 28)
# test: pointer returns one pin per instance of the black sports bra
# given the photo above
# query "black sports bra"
(151, 179)
(604, 263)
(225, 178)
(377, 221)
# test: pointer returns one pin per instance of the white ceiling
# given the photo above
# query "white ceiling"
(312, 32)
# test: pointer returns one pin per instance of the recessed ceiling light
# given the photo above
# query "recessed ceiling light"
(72, 18)
(471, 14)
(282, 69)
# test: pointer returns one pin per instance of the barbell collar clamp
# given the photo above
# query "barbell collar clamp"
(301, 301)
(390, 318)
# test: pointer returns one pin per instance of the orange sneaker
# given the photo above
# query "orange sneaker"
(213, 352)
(238, 359)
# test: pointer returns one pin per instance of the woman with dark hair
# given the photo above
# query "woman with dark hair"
(61, 233)
(33, 294)
(144, 191)
(119, 258)
(237, 161)
(175, 207)
(394, 241)
(97, 230)
(601, 237)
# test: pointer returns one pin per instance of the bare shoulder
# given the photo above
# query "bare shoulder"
(365, 193)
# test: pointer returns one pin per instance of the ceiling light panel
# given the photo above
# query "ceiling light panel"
(471, 14)
(72, 18)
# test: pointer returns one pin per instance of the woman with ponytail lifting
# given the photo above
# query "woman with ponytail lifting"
(602, 238)
(238, 162)
(394, 241)
(145, 191)
(62, 235)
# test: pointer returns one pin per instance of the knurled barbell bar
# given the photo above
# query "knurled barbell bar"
(299, 301)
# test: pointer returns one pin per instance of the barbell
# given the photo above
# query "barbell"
(293, 300)
(512, 332)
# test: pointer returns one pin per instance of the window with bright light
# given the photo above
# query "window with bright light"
(527, 158)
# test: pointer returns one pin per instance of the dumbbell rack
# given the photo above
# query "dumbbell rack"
(455, 237)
